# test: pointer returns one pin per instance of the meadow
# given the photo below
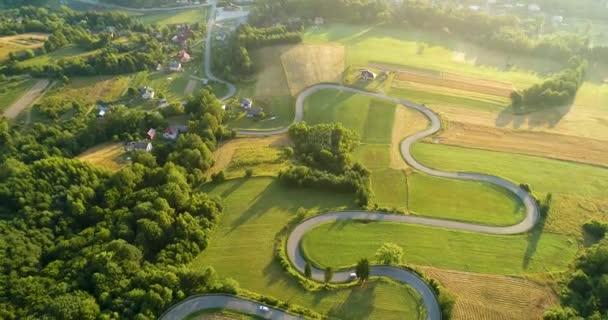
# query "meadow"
(543, 174)
(342, 243)
(241, 247)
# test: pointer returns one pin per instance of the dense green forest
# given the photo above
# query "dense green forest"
(147, 46)
(79, 242)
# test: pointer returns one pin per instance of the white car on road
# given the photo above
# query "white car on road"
(264, 309)
(352, 276)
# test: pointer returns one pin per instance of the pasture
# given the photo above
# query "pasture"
(342, 243)
(241, 247)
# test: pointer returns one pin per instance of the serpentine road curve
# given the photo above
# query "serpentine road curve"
(294, 253)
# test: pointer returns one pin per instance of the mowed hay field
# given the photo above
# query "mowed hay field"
(557, 146)
(110, 156)
(453, 81)
(20, 42)
(342, 243)
(306, 65)
(242, 247)
(492, 297)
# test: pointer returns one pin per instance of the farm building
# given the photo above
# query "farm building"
(254, 112)
(246, 103)
(173, 132)
(367, 75)
(183, 56)
(139, 146)
(175, 66)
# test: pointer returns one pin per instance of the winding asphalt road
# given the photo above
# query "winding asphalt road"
(293, 243)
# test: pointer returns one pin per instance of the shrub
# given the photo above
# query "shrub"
(218, 177)
(596, 228)
(248, 173)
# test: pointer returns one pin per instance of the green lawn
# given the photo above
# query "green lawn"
(371, 118)
(399, 46)
(198, 15)
(543, 174)
(343, 243)
(462, 200)
(279, 110)
(241, 247)
(11, 90)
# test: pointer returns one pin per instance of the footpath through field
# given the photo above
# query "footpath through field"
(293, 244)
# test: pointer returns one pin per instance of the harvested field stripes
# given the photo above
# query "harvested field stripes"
(457, 82)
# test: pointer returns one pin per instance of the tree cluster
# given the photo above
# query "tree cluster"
(323, 153)
(559, 90)
(83, 243)
(585, 292)
(234, 59)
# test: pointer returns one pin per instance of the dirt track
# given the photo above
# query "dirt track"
(26, 100)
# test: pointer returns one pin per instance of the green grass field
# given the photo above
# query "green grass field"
(381, 44)
(279, 112)
(462, 200)
(372, 119)
(241, 247)
(71, 51)
(544, 175)
(390, 188)
(11, 90)
(373, 156)
(198, 15)
(342, 243)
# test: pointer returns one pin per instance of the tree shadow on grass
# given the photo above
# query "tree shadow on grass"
(533, 240)
(548, 117)
(262, 203)
(358, 305)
